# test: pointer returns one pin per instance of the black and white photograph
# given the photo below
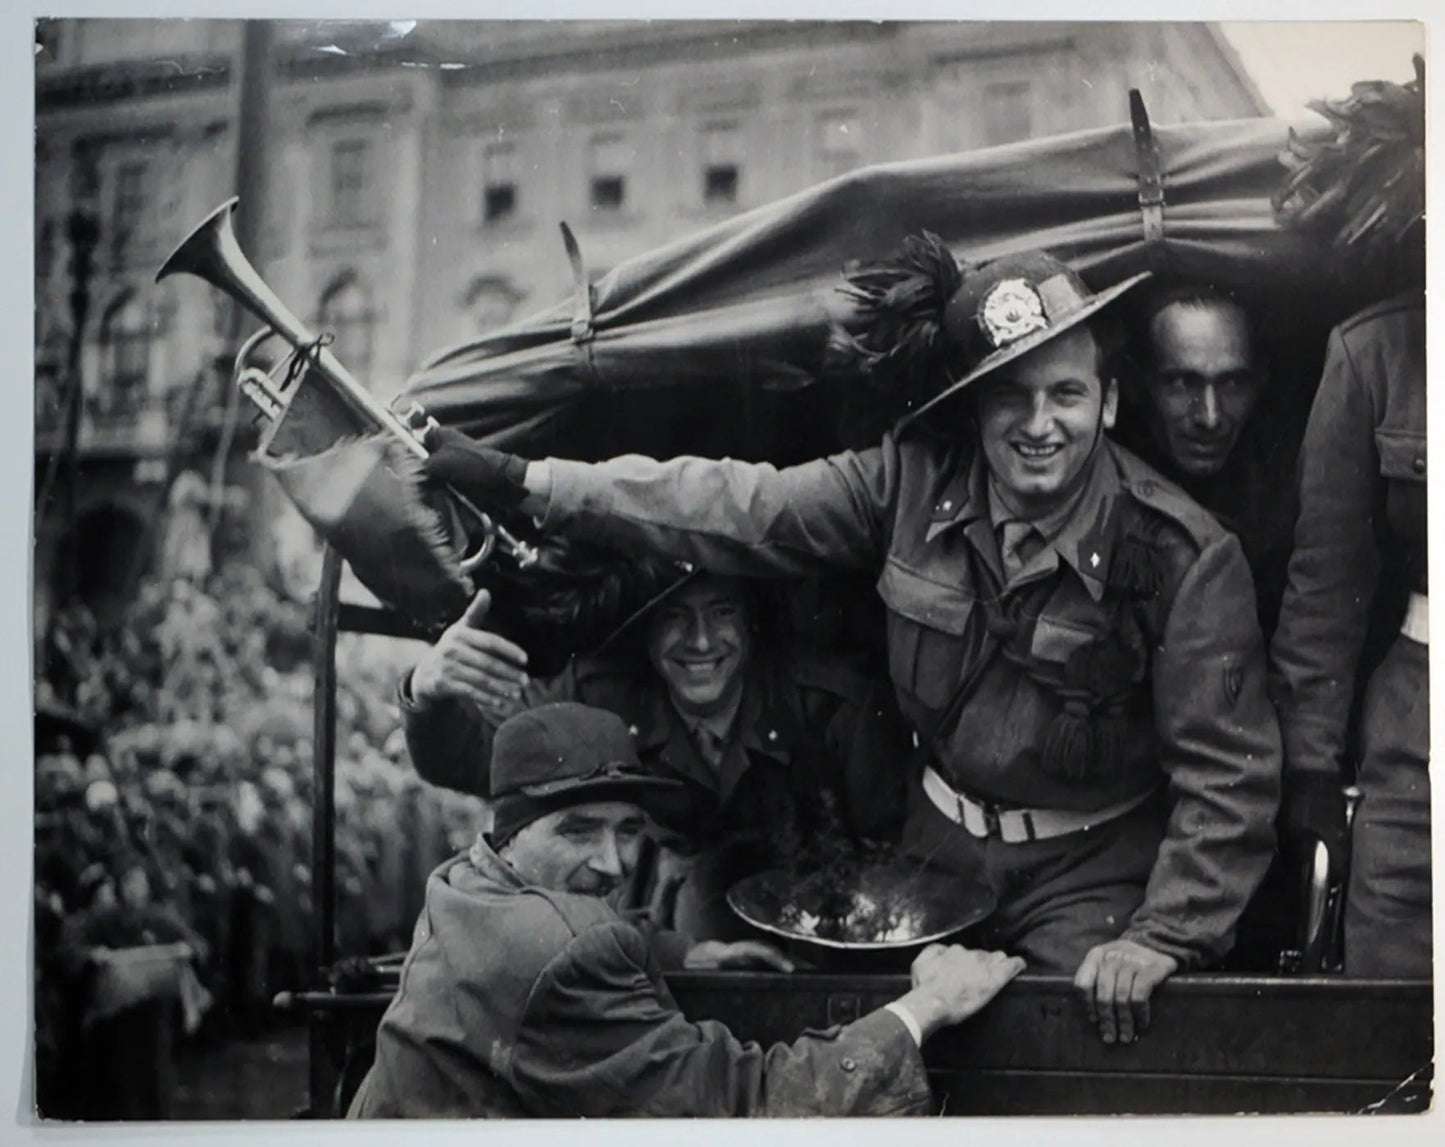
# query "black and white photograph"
(611, 568)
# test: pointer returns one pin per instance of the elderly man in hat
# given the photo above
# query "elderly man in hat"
(769, 745)
(524, 993)
(1073, 639)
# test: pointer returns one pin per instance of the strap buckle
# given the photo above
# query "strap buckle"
(991, 823)
(989, 812)
(1149, 177)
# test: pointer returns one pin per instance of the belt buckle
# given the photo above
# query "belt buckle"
(991, 825)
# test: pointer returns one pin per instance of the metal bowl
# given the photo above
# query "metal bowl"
(924, 905)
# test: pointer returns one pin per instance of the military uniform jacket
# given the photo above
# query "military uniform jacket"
(1132, 638)
(1253, 497)
(1361, 532)
(519, 1001)
(804, 727)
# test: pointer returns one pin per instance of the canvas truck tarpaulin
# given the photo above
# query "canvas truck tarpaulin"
(726, 321)
(718, 343)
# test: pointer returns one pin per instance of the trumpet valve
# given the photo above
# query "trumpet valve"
(258, 386)
(523, 553)
(420, 423)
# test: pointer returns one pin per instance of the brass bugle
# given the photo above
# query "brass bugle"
(211, 253)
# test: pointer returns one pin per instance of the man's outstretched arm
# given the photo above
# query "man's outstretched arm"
(602, 1036)
(731, 517)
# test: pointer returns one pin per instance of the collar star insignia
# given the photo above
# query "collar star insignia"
(1094, 560)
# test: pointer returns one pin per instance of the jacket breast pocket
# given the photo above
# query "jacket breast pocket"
(1402, 454)
(1055, 638)
(927, 623)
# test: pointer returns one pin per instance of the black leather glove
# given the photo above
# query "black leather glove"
(1314, 809)
(491, 478)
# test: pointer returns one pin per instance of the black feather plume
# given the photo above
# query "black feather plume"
(1364, 187)
(893, 338)
(573, 597)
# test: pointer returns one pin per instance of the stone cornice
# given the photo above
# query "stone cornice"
(703, 41)
(112, 83)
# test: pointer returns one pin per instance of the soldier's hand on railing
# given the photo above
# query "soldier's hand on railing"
(1115, 981)
(952, 983)
(491, 478)
(471, 663)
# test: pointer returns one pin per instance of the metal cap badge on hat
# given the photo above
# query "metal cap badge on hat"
(1012, 305)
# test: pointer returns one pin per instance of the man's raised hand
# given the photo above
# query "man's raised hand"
(471, 663)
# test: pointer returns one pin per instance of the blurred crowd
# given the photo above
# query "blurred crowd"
(173, 791)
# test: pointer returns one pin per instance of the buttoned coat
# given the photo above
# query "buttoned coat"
(519, 1001)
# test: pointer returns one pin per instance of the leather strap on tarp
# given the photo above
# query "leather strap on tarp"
(581, 288)
(1149, 176)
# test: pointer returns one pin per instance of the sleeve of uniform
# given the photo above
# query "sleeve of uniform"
(450, 741)
(1219, 746)
(602, 1036)
(1332, 572)
(734, 517)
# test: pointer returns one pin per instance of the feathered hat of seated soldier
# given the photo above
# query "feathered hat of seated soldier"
(925, 325)
(1364, 186)
(583, 597)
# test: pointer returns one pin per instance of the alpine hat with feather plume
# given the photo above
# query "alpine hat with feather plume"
(923, 318)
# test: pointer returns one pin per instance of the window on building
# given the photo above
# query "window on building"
(722, 156)
(352, 182)
(491, 301)
(85, 171)
(130, 191)
(346, 313)
(611, 159)
(1007, 112)
(125, 352)
(130, 200)
(838, 142)
(45, 244)
(499, 182)
(720, 185)
(49, 372)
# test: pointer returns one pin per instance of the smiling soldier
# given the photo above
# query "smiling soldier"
(767, 745)
(1073, 639)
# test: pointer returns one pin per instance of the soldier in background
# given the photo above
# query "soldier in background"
(1361, 552)
(1192, 411)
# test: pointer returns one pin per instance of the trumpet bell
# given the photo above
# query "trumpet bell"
(205, 251)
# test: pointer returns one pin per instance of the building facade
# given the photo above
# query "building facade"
(413, 176)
